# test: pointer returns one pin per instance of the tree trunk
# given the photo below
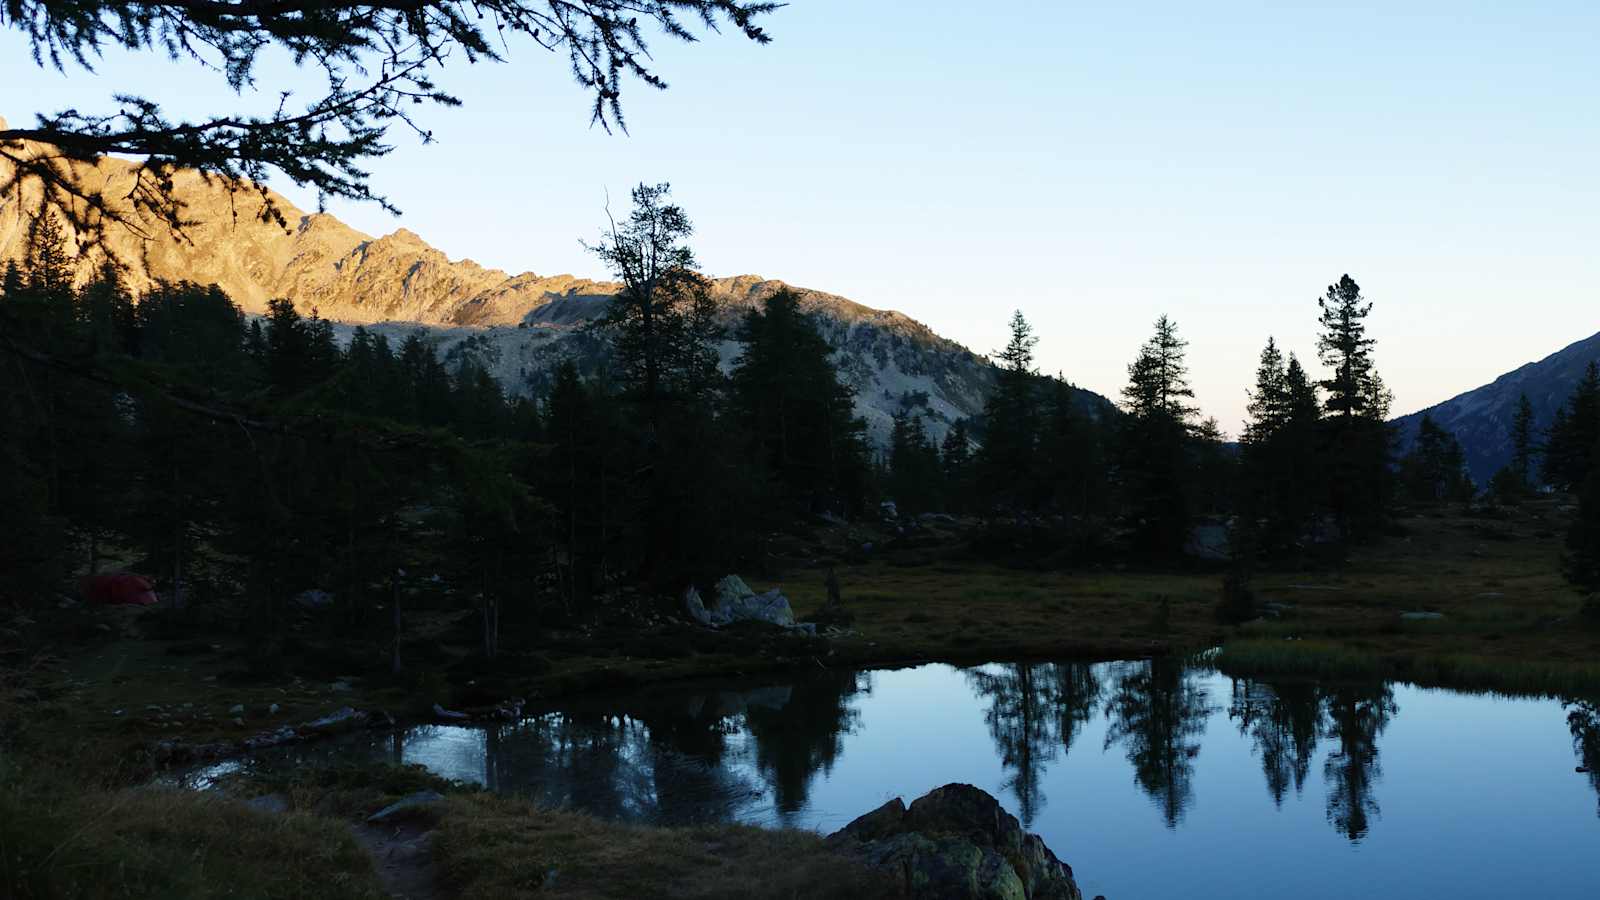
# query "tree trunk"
(394, 605)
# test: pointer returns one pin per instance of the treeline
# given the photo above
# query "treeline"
(232, 456)
(1316, 461)
(1313, 453)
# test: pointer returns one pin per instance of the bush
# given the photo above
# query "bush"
(1238, 602)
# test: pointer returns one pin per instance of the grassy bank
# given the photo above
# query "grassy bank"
(1503, 620)
(62, 841)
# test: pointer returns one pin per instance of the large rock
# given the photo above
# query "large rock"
(736, 602)
(957, 843)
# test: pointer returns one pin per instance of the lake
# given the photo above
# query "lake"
(1152, 779)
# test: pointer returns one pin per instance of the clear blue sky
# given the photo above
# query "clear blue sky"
(1092, 166)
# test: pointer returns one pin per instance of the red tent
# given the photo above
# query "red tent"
(119, 589)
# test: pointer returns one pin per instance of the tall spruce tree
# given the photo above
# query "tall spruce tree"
(1071, 457)
(788, 399)
(650, 319)
(1581, 563)
(915, 476)
(1573, 432)
(1155, 463)
(1522, 442)
(955, 456)
(1357, 440)
(1006, 460)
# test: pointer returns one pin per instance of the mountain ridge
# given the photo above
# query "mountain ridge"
(1481, 418)
(517, 325)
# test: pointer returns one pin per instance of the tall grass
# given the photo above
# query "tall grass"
(1333, 661)
(60, 842)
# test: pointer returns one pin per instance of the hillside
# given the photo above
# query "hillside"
(1481, 418)
(519, 325)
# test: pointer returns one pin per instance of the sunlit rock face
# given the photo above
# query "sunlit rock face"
(518, 326)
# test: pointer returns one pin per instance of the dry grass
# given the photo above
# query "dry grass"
(489, 846)
(61, 843)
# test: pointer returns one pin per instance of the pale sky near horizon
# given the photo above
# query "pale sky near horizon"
(1094, 167)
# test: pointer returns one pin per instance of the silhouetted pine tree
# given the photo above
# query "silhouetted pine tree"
(955, 456)
(1522, 442)
(788, 399)
(1435, 469)
(1071, 458)
(1006, 460)
(1356, 440)
(1582, 561)
(1573, 432)
(915, 475)
(1154, 463)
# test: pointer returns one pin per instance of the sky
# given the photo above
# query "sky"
(1093, 165)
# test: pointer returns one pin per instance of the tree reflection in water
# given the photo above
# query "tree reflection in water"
(709, 756)
(1035, 712)
(1357, 715)
(1583, 719)
(1158, 711)
(1283, 720)
(796, 740)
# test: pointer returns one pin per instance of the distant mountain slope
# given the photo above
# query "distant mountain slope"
(517, 325)
(1481, 418)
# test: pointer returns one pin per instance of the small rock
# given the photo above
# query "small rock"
(450, 714)
(1421, 616)
(273, 709)
(272, 803)
(236, 710)
(238, 722)
(413, 802)
(340, 687)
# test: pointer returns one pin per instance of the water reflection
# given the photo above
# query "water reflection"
(801, 738)
(1283, 721)
(1158, 712)
(819, 750)
(1356, 717)
(1583, 720)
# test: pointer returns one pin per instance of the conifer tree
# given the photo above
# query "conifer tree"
(1434, 470)
(1522, 442)
(650, 319)
(1574, 429)
(1155, 464)
(48, 268)
(1279, 465)
(1357, 441)
(1071, 458)
(800, 418)
(1006, 460)
(107, 313)
(915, 474)
(1581, 563)
(955, 455)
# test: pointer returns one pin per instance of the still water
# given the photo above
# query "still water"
(1151, 779)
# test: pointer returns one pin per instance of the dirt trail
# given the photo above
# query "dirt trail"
(402, 858)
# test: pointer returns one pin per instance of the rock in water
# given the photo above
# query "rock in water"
(957, 843)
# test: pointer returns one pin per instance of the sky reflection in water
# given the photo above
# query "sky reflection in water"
(1151, 780)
